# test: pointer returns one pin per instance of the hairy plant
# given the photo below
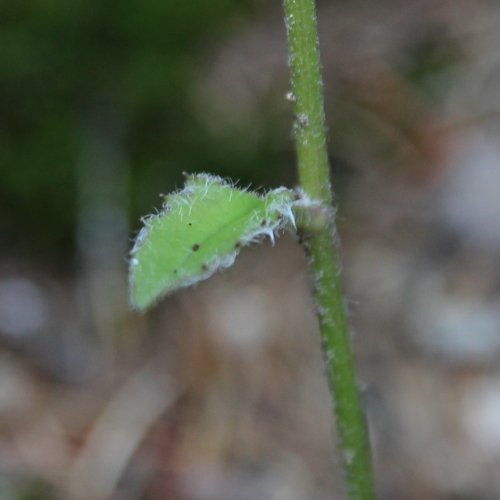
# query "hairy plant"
(202, 228)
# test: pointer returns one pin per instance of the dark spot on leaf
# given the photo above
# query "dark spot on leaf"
(237, 245)
(175, 271)
(195, 247)
(204, 267)
(263, 222)
(190, 223)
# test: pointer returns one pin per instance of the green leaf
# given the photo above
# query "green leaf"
(200, 230)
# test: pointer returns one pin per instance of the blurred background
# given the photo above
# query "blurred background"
(219, 393)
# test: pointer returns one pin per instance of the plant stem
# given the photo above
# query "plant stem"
(312, 156)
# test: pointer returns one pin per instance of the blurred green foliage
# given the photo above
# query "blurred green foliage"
(67, 66)
(23, 488)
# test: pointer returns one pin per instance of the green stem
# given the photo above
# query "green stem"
(310, 136)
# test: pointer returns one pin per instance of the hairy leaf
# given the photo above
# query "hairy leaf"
(199, 231)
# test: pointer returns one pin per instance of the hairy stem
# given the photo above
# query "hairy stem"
(310, 136)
